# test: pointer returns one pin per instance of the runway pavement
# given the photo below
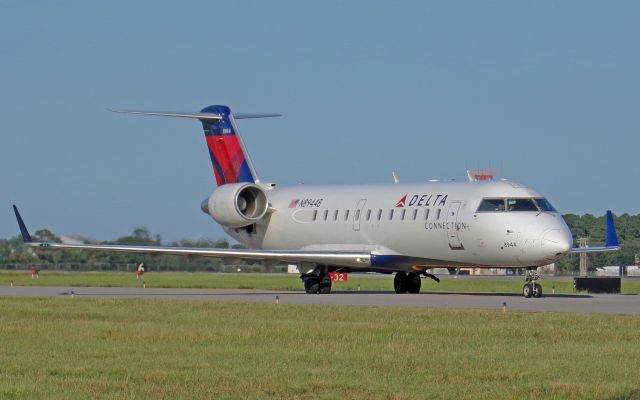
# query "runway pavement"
(579, 303)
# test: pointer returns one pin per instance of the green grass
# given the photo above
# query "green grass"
(284, 282)
(89, 348)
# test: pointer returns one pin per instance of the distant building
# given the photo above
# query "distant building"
(633, 270)
(610, 270)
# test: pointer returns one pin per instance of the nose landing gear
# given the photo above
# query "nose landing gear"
(531, 287)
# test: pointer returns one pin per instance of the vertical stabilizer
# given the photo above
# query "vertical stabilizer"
(231, 163)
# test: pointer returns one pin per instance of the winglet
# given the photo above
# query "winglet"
(23, 228)
(611, 237)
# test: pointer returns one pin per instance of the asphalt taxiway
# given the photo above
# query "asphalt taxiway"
(578, 303)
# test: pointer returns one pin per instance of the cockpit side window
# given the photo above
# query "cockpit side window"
(521, 205)
(545, 205)
(491, 205)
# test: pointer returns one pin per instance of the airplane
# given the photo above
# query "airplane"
(401, 228)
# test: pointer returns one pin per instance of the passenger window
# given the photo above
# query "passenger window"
(426, 214)
(346, 215)
(391, 215)
(438, 215)
(315, 214)
(358, 215)
(368, 215)
(491, 205)
(379, 214)
(521, 205)
(402, 214)
(325, 214)
(335, 215)
(415, 214)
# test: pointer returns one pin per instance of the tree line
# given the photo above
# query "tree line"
(14, 255)
(592, 227)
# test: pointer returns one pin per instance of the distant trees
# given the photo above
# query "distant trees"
(627, 227)
(140, 236)
(15, 255)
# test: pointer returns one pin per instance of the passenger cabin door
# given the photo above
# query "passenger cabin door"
(452, 226)
(357, 214)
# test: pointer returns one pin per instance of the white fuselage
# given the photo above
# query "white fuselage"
(407, 225)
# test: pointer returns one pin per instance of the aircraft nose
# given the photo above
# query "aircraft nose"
(557, 241)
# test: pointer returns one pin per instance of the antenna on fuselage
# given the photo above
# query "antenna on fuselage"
(396, 180)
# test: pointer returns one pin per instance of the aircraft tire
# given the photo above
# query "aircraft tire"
(413, 283)
(400, 282)
(311, 286)
(325, 289)
(536, 290)
(527, 290)
(314, 288)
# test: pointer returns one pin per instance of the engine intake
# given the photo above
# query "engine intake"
(236, 205)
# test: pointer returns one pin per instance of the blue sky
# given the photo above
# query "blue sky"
(546, 92)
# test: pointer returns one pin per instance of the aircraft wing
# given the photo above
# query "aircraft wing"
(611, 239)
(341, 258)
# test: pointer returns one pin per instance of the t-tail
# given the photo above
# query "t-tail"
(229, 158)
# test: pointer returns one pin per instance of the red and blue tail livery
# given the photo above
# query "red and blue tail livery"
(230, 164)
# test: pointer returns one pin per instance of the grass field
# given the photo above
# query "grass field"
(89, 348)
(284, 282)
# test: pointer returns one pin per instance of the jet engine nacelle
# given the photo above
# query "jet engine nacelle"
(236, 204)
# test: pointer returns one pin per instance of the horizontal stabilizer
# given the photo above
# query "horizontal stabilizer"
(206, 116)
(254, 115)
(198, 115)
(611, 238)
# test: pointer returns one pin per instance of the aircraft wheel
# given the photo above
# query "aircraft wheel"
(536, 290)
(400, 282)
(311, 285)
(413, 283)
(527, 290)
(325, 288)
(325, 284)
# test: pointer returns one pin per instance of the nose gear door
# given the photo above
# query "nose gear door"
(453, 227)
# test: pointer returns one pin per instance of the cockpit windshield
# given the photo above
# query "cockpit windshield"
(545, 205)
(489, 205)
(521, 205)
(517, 204)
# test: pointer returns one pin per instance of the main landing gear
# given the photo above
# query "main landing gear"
(315, 283)
(410, 282)
(531, 287)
